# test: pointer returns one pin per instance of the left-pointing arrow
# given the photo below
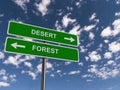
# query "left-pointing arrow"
(15, 45)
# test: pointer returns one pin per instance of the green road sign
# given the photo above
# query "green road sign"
(42, 33)
(41, 49)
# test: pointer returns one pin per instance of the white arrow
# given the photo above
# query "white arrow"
(15, 45)
(70, 39)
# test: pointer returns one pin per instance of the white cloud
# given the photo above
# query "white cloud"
(4, 84)
(59, 71)
(29, 57)
(58, 26)
(116, 25)
(21, 3)
(93, 16)
(106, 32)
(74, 72)
(28, 64)
(106, 41)
(39, 68)
(2, 55)
(97, 21)
(48, 66)
(23, 72)
(68, 8)
(111, 62)
(75, 30)
(94, 56)
(11, 60)
(4, 78)
(17, 60)
(100, 46)
(13, 77)
(108, 55)
(117, 57)
(66, 21)
(110, 88)
(87, 76)
(112, 32)
(32, 74)
(117, 14)
(86, 58)
(42, 6)
(83, 49)
(114, 72)
(67, 63)
(2, 72)
(92, 69)
(80, 63)
(91, 35)
(89, 28)
(78, 4)
(52, 75)
(88, 80)
(94, 19)
(114, 47)
(117, 1)
(105, 71)
(1, 15)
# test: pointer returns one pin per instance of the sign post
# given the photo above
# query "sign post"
(43, 74)
(43, 50)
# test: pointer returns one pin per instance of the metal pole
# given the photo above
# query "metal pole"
(43, 74)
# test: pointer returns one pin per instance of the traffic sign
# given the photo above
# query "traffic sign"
(41, 49)
(41, 33)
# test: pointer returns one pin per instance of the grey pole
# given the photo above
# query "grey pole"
(43, 74)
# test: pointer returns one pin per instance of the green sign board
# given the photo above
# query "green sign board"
(41, 49)
(41, 33)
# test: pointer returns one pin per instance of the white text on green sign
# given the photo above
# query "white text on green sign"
(42, 33)
(41, 49)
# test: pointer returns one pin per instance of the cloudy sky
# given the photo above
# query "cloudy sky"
(96, 22)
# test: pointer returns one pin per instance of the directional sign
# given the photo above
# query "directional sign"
(26, 30)
(41, 49)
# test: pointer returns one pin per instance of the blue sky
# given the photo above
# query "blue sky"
(96, 22)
